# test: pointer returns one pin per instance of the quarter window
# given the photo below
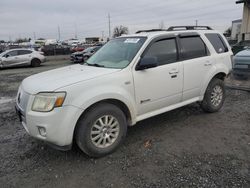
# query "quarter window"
(192, 47)
(164, 50)
(217, 42)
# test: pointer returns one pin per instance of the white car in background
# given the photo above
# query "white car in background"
(18, 57)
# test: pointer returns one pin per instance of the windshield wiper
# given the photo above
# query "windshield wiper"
(95, 65)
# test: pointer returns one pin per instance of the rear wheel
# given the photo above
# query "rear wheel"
(101, 130)
(214, 96)
(35, 63)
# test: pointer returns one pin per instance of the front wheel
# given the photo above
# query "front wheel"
(214, 96)
(101, 130)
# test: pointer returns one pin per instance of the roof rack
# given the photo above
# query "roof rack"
(150, 30)
(179, 28)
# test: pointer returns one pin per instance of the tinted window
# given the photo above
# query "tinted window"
(24, 52)
(217, 42)
(192, 47)
(164, 50)
(12, 53)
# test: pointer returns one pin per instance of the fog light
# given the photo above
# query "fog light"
(42, 131)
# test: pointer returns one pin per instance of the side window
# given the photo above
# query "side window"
(192, 47)
(217, 42)
(24, 52)
(12, 53)
(165, 51)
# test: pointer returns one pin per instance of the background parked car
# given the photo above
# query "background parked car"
(55, 50)
(241, 68)
(17, 57)
(79, 57)
(240, 46)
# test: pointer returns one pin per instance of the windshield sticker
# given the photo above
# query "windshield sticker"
(132, 40)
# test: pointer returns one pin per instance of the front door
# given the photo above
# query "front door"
(161, 86)
(10, 59)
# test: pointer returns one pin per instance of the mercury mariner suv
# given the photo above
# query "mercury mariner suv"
(131, 78)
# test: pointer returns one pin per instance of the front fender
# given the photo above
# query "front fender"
(93, 95)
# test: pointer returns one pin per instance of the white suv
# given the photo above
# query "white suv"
(129, 79)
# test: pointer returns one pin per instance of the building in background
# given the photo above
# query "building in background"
(236, 29)
(245, 27)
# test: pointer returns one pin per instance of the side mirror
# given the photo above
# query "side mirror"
(246, 47)
(146, 63)
(92, 51)
(7, 55)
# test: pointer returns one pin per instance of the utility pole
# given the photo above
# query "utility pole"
(109, 26)
(75, 31)
(59, 33)
(196, 22)
(34, 34)
(102, 35)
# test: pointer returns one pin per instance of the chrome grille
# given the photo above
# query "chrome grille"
(22, 99)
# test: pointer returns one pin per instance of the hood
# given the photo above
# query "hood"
(243, 53)
(78, 53)
(62, 77)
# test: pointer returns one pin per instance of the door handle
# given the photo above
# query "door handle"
(174, 72)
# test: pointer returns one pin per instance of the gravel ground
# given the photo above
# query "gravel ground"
(182, 148)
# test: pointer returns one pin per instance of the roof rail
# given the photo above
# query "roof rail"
(150, 30)
(176, 28)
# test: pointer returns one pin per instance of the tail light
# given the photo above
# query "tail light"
(232, 60)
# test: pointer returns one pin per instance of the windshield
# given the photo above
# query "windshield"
(117, 53)
(3, 53)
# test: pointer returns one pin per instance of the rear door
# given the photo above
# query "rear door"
(24, 56)
(196, 64)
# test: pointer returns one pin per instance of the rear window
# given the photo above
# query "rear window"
(192, 47)
(217, 42)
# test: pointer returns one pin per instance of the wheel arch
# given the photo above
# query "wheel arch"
(120, 104)
(220, 75)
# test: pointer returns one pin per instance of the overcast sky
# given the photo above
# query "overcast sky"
(86, 18)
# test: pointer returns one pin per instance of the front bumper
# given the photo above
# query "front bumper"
(58, 124)
(241, 72)
(76, 59)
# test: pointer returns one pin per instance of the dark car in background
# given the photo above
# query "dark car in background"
(79, 57)
(240, 46)
(49, 50)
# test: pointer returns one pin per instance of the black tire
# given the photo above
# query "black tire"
(35, 63)
(208, 104)
(86, 124)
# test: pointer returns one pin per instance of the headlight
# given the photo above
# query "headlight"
(46, 102)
